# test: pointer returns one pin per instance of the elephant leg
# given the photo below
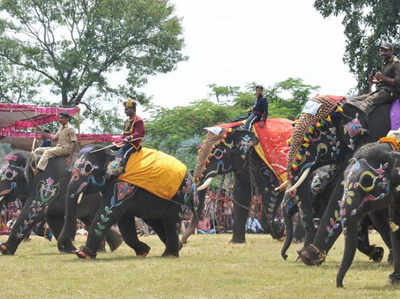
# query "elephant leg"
(380, 221)
(394, 212)
(158, 227)
(172, 245)
(127, 227)
(113, 238)
(241, 205)
(102, 222)
(364, 246)
(31, 214)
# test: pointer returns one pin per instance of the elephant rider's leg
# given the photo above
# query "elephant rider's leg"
(127, 227)
(378, 97)
(253, 117)
(50, 153)
(31, 214)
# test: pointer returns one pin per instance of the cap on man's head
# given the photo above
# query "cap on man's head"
(386, 46)
(260, 87)
(65, 114)
(129, 103)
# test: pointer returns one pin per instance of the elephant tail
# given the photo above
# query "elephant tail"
(349, 251)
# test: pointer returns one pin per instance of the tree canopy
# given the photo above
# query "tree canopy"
(73, 46)
(367, 23)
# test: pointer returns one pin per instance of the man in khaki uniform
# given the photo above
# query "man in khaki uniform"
(387, 81)
(66, 144)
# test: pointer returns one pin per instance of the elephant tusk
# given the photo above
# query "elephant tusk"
(205, 185)
(282, 186)
(300, 181)
(1, 198)
(80, 198)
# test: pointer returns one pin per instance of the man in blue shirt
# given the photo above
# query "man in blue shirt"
(259, 110)
(253, 225)
(46, 138)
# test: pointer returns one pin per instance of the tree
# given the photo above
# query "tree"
(74, 45)
(367, 23)
(177, 130)
(16, 86)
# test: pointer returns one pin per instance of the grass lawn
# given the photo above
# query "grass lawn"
(209, 267)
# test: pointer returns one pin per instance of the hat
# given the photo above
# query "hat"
(65, 114)
(386, 46)
(129, 103)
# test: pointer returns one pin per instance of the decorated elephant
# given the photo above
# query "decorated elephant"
(371, 183)
(328, 131)
(44, 196)
(161, 188)
(230, 149)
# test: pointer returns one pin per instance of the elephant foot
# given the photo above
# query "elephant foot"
(376, 254)
(83, 253)
(394, 278)
(311, 256)
(142, 249)
(66, 248)
(167, 253)
(4, 250)
(236, 240)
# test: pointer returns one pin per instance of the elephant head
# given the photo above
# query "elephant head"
(88, 176)
(13, 183)
(368, 180)
(223, 151)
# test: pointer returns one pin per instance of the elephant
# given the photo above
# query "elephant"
(327, 132)
(44, 199)
(95, 171)
(234, 152)
(320, 189)
(371, 183)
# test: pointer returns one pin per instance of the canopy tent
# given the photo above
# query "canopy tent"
(14, 117)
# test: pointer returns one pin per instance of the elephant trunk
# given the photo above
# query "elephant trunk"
(274, 227)
(349, 251)
(288, 211)
(196, 216)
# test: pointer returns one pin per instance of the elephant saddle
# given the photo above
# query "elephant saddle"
(154, 171)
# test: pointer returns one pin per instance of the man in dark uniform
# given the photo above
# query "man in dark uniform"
(133, 134)
(259, 110)
(387, 81)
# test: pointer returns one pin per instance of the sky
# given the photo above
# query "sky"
(234, 42)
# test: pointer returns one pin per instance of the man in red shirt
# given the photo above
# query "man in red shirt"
(133, 134)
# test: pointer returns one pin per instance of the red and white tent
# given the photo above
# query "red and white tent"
(14, 118)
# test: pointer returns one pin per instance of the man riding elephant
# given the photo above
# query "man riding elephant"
(66, 145)
(387, 81)
(133, 134)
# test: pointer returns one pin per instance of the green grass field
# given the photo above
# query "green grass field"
(209, 267)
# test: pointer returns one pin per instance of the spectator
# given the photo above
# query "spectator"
(253, 225)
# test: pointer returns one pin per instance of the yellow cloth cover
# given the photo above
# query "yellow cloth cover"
(155, 171)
